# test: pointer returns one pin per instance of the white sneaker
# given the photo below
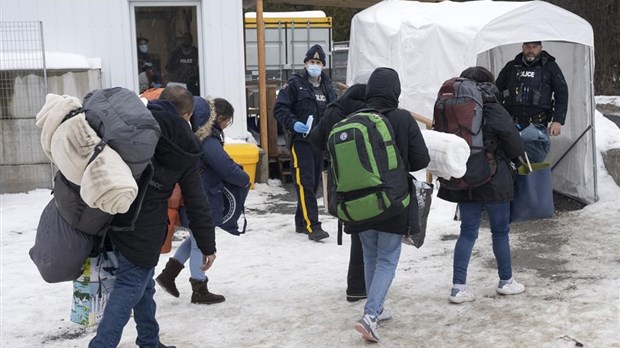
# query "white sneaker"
(367, 326)
(460, 296)
(385, 315)
(512, 288)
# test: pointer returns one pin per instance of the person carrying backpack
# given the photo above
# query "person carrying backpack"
(382, 238)
(502, 139)
(175, 161)
(208, 123)
(352, 100)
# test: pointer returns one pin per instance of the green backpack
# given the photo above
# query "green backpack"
(368, 181)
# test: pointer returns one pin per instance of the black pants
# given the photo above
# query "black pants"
(307, 167)
(356, 284)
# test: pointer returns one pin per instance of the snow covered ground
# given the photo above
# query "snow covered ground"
(283, 290)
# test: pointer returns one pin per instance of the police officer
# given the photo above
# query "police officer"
(306, 94)
(534, 92)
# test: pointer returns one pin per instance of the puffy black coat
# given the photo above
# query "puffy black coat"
(382, 93)
(297, 101)
(176, 160)
(499, 132)
(542, 89)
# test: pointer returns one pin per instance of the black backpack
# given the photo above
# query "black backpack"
(458, 111)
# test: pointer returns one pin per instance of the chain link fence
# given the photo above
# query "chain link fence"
(23, 87)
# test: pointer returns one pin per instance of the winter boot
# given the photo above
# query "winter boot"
(168, 275)
(201, 294)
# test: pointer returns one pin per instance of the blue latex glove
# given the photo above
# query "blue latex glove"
(300, 127)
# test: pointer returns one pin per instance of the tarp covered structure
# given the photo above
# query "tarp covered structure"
(428, 43)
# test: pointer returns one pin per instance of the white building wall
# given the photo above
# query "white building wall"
(102, 29)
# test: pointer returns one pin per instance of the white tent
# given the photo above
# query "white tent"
(428, 43)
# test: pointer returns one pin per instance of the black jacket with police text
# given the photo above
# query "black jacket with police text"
(531, 89)
(297, 101)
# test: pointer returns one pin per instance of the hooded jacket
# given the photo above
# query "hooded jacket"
(542, 90)
(176, 160)
(352, 100)
(498, 132)
(382, 93)
(217, 166)
(297, 101)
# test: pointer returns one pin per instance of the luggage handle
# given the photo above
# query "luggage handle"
(528, 164)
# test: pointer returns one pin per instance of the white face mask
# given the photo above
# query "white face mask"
(143, 48)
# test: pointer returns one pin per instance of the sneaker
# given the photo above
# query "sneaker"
(317, 235)
(367, 326)
(385, 315)
(356, 297)
(512, 288)
(460, 296)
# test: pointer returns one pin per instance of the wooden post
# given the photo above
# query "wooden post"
(272, 125)
(262, 77)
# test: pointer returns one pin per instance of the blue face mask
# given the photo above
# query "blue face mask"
(314, 70)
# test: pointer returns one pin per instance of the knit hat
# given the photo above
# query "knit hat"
(315, 52)
(539, 43)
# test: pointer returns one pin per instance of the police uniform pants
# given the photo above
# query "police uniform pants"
(307, 167)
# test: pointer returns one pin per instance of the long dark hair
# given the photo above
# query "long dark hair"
(224, 110)
(478, 74)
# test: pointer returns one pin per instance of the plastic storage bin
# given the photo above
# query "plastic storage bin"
(245, 155)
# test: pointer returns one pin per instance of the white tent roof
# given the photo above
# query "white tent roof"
(428, 43)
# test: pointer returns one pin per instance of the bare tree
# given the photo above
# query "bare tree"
(603, 17)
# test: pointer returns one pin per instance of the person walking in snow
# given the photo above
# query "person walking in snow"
(381, 240)
(306, 95)
(208, 122)
(175, 161)
(352, 100)
(500, 133)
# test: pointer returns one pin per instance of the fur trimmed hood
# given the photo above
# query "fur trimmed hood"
(203, 119)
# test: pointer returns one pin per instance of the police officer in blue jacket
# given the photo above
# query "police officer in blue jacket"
(306, 94)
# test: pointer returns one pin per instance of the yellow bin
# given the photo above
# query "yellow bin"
(245, 155)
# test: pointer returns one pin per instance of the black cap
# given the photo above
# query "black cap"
(539, 43)
(315, 52)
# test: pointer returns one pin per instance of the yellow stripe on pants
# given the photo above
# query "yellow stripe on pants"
(302, 196)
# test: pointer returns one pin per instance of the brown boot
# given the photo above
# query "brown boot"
(168, 275)
(201, 294)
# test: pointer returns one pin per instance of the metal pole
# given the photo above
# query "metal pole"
(262, 79)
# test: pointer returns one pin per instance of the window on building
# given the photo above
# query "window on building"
(167, 46)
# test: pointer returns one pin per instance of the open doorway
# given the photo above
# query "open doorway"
(167, 45)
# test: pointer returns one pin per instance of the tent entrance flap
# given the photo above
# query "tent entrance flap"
(407, 35)
(571, 154)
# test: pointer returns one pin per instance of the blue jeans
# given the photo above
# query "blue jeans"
(133, 289)
(189, 250)
(381, 254)
(499, 217)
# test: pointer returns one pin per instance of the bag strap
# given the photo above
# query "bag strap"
(245, 221)
(340, 232)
